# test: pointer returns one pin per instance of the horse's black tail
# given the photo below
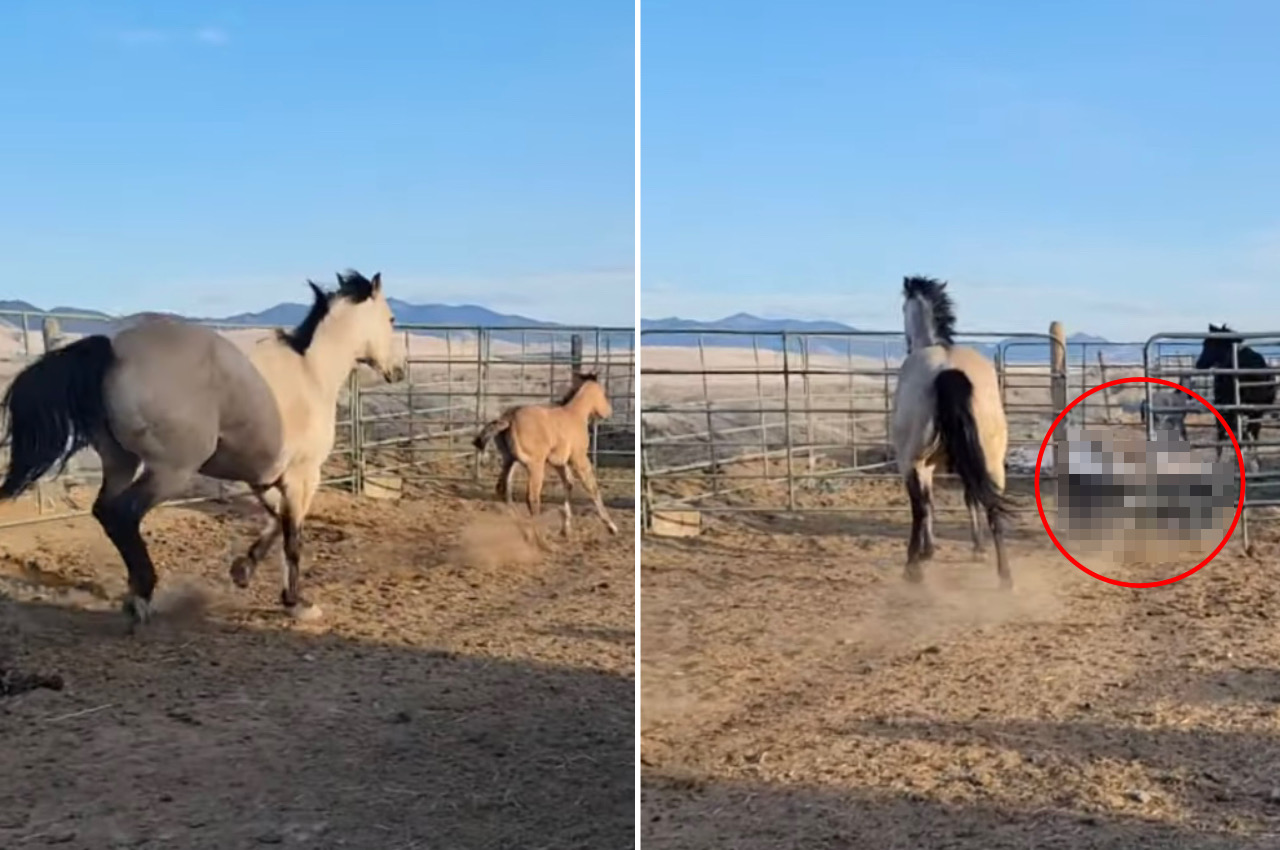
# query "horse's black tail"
(52, 409)
(954, 422)
(489, 431)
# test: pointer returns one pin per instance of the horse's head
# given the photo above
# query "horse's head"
(372, 325)
(1217, 352)
(588, 390)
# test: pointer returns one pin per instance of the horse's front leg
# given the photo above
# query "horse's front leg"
(244, 566)
(299, 488)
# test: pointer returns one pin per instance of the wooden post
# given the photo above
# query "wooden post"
(1102, 379)
(575, 352)
(1058, 391)
(52, 333)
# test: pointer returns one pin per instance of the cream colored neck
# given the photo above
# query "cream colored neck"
(333, 352)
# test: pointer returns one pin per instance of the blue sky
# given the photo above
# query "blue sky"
(208, 157)
(1114, 165)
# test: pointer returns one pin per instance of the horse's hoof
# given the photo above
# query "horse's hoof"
(242, 571)
(306, 613)
(302, 611)
(613, 529)
(913, 573)
(138, 610)
(1006, 582)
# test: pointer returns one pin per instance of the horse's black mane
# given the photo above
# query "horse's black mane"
(933, 292)
(582, 376)
(352, 286)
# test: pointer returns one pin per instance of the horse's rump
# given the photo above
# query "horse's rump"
(961, 441)
(185, 395)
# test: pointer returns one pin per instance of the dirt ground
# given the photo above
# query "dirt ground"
(461, 689)
(796, 693)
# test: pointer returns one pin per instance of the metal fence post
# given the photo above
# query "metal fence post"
(357, 432)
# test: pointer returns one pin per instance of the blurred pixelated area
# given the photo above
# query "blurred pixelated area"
(1127, 499)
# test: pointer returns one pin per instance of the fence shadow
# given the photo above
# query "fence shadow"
(202, 735)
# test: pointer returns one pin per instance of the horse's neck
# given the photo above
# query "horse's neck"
(578, 407)
(328, 361)
(919, 327)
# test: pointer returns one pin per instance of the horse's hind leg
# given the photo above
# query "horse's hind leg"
(996, 520)
(566, 478)
(582, 468)
(503, 487)
(533, 498)
(120, 516)
(243, 567)
(919, 511)
(1255, 434)
(975, 530)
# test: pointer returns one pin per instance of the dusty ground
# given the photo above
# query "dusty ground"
(796, 694)
(460, 691)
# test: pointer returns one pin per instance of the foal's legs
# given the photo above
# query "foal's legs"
(298, 488)
(566, 478)
(537, 469)
(504, 479)
(243, 567)
(582, 468)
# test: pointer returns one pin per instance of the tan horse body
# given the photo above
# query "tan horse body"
(538, 435)
(166, 399)
(947, 412)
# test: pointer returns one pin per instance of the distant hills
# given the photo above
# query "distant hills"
(737, 331)
(289, 314)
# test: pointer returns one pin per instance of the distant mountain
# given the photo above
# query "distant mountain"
(736, 331)
(289, 314)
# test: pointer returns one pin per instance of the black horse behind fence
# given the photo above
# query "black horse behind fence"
(1254, 389)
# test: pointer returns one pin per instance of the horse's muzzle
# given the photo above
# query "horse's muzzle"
(394, 375)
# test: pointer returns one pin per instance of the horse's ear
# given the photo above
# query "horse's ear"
(316, 290)
(376, 280)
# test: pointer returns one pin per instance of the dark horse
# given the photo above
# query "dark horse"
(1254, 389)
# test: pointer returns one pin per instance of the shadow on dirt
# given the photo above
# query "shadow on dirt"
(205, 735)
(948, 528)
(679, 813)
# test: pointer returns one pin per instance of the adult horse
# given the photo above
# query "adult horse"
(947, 412)
(1215, 353)
(174, 399)
(535, 435)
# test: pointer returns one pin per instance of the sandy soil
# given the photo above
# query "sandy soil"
(461, 690)
(797, 694)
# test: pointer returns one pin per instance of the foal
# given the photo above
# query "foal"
(535, 435)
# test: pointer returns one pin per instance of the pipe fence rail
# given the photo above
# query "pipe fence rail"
(418, 430)
(785, 421)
